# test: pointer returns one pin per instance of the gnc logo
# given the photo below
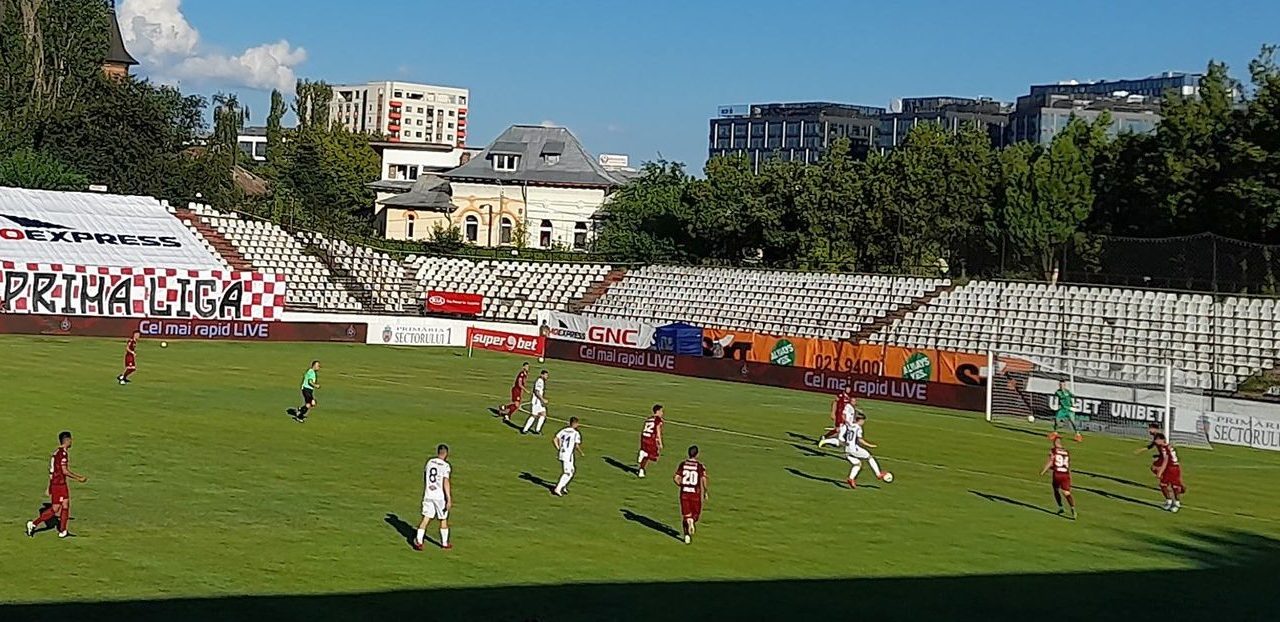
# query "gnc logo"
(614, 336)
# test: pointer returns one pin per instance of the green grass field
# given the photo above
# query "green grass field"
(205, 501)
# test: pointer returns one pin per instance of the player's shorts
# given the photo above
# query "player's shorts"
(1172, 477)
(650, 449)
(434, 508)
(59, 494)
(857, 452)
(568, 467)
(516, 395)
(538, 408)
(1064, 414)
(130, 362)
(308, 396)
(691, 506)
(1062, 481)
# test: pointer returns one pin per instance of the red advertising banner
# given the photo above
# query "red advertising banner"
(210, 330)
(455, 303)
(501, 341)
(957, 396)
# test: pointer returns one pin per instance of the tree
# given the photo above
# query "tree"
(25, 168)
(229, 118)
(311, 105)
(275, 132)
(647, 220)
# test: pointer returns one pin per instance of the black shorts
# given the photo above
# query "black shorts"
(308, 396)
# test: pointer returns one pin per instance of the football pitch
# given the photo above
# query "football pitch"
(205, 501)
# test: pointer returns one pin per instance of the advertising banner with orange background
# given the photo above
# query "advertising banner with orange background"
(846, 357)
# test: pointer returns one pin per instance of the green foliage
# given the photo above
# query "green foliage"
(25, 168)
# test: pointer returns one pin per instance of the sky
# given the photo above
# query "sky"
(644, 78)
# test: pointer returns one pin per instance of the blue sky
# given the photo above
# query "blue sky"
(643, 78)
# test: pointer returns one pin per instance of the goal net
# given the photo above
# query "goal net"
(1109, 397)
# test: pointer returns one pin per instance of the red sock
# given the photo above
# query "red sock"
(1071, 500)
(63, 519)
(44, 516)
(128, 372)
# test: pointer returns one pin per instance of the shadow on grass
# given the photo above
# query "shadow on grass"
(534, 479)
(813, 452)
(1119, 497)
(407, 531)
(617, 464)
(651, 523)
(1118, 480)
(829, 480)
(1014, 502)
(1232, 578)
(800, 437)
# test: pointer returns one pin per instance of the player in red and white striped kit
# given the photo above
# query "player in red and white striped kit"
(1060, 463)
(650, 440)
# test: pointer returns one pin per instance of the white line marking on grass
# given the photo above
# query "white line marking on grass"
(939, 467)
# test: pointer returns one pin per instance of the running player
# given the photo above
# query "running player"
(130, 358)
(842, 410)
(1066, 410)
(59, 494)
(691, 477)
(538, 406)
(855, 447)
(650, 440)
(517, 392)
(568, 442)
(309, 386)
(1169, 472)
(437, 497)
(1060, 462)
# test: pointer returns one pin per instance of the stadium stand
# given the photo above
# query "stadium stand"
(513, 290)
(827, 306)
(267, 247)
(1214, 345)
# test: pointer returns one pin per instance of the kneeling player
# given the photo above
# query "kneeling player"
(437, 497)
(855, 447)
(1169, 472)
(691, 477)
(650, 440)
(1060, 462)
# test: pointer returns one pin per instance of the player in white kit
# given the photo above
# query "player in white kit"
(437, 497)
(568, 444)
(843, 410)
(538, 406)
(855, 448)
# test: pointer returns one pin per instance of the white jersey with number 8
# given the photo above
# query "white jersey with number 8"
(433, 476)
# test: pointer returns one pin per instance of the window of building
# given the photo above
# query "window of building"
(449, 137)
(451, 113)
(462, 99)
(504, 161)
(472, 228)
(399, 94)
(408, 226)
(580, 236)
(504, 231)
(450, 126)
(417, 134)
(545, 231)
(551, 159)
(413, 170)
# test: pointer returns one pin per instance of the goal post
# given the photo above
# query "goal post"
(1119, 398)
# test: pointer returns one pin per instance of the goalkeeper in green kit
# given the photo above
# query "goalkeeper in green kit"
(1066, 412)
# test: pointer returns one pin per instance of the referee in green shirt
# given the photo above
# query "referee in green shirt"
(309, 386)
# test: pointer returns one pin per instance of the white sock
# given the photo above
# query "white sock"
(640, 458)
(857, 466)
(874, 466)
(444, 537)
(541, 420)
(528, 423)
(564, 481)
(421, 534)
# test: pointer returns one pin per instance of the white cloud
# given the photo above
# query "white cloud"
(549, 123)
(169, 47)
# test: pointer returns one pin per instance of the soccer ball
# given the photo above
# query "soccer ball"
(1031, 418)
(888, 477)
(164, 344)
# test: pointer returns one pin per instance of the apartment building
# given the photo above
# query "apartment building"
(403, 112)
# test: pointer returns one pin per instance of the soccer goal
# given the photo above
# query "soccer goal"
(1109, 397)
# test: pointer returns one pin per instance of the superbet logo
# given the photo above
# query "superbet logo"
(485, 340)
